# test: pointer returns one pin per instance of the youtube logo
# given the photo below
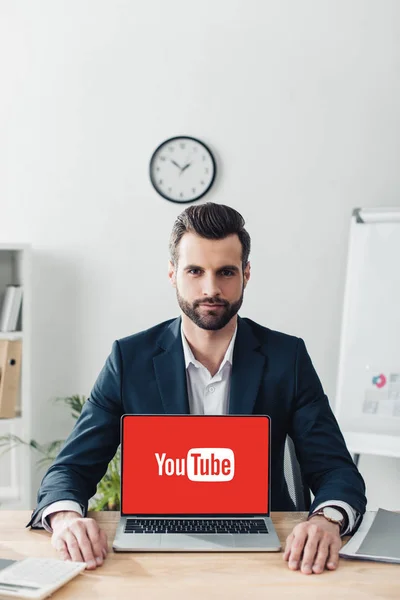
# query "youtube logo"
(200, 464)
(189, 464)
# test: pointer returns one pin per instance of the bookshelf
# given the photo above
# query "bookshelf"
(11, 335)
(16, 465)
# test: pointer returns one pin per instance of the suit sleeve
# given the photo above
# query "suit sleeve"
(84, 458)
(325, 462)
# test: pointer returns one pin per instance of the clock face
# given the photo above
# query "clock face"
(182, 169)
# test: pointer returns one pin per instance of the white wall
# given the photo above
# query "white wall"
(299, 99)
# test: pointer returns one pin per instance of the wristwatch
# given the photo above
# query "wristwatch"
(333, 515)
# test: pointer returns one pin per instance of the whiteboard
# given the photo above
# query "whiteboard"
(368, 385)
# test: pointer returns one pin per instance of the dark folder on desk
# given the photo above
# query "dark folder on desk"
(10, 373)
(5, 563)
(378, 538)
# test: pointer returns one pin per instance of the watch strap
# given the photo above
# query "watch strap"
(320, 512)
(345, 522)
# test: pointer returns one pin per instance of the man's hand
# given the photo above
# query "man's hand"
(312, 545)
(78, 539)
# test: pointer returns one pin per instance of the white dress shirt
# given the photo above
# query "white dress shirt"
(207, 395)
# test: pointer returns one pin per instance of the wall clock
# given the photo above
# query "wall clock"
(182, 169)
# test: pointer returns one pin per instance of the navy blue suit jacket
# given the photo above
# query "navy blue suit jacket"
(272, 374)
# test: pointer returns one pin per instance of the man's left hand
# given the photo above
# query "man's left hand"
(312, 545)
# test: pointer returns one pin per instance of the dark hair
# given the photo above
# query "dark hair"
(211, 221)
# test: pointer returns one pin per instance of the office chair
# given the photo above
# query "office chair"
(298, 490)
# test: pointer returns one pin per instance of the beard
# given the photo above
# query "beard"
(212, 320)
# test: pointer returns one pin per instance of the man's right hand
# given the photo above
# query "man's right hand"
(77, 538)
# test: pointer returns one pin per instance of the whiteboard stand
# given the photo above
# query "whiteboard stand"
(372, 443)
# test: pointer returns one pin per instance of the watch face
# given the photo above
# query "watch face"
(333, 513)
(182, 169)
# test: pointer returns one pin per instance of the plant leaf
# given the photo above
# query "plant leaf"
(108, 491)
(75, 403)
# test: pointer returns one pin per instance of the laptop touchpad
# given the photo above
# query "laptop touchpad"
(252, 541)
(196, 541)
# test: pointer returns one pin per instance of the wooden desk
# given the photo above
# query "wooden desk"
(203, 575)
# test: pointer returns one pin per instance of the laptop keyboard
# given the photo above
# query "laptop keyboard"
(195, 526)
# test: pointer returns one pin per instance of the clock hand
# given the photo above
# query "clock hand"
(176, 164)
(186, 166)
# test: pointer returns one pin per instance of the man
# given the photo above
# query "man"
(209, 361)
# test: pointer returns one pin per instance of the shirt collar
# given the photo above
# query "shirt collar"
(190, 359)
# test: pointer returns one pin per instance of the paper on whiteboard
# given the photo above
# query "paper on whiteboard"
(382, 394)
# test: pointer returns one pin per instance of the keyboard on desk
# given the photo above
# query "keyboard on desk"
(195, 526)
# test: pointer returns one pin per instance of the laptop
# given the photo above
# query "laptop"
(193, 483)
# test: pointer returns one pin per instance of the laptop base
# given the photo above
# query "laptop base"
(186, 542)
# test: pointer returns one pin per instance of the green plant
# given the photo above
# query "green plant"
(107, 495)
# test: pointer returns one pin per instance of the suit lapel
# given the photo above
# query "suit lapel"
(170, 371)
(247, 369)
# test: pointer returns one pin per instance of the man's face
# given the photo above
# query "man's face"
(209, 279)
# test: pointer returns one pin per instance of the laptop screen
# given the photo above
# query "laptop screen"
(195, 465)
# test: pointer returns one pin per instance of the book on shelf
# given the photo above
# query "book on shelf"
(10, 376)
(11, 308)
